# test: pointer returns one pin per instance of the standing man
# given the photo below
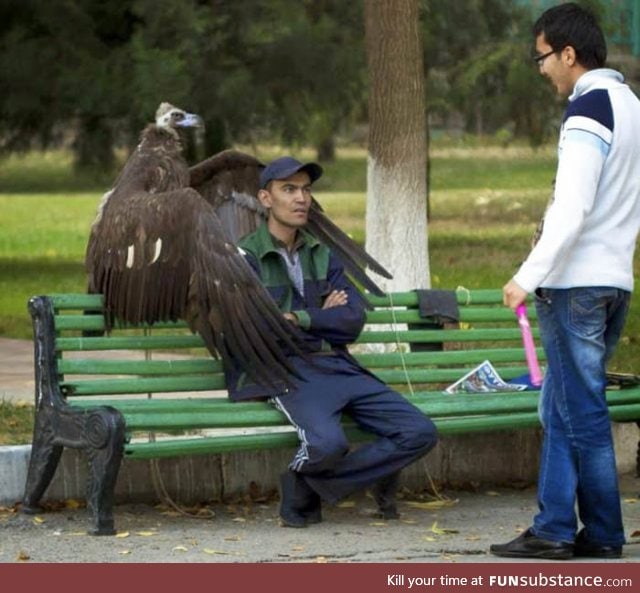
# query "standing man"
(581, 270)
(309, 285)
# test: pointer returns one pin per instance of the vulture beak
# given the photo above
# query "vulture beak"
(190, 120)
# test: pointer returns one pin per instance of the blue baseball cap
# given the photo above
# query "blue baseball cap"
(287, 166)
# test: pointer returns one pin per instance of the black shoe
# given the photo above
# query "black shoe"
(300, 505)
(587, 549)
(528, 545)
(384, 493)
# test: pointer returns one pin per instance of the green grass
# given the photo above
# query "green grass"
(16, 423)
(485, 204)
(42, 243)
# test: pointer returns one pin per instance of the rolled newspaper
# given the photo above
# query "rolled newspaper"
(529, 347)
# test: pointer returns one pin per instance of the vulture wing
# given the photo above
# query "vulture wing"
(230, 180)
(355, 259)
(165, 256)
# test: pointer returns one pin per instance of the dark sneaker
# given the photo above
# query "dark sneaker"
(300, 505)
(586, 549)
(384, 493)
(529, 545)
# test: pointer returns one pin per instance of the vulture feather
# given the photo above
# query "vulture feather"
(230, 180)
(157, 251)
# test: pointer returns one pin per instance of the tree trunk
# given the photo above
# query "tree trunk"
(326, 150)
(396, 220)
(93, 146)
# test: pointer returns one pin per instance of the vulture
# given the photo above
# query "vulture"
(163, 247)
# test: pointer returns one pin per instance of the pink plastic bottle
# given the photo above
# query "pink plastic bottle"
(529, 346)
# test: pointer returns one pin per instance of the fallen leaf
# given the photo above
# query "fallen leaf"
(492, 493)
(631, 500)
(124, 552)
(408, 521)
(473, 538)
(636, 534)
(428, 538)
(180, 549)
(220, 552)
(441, 531)
(347, 504)
(378, 524)
(239, 519)
(122, 534)
(146, 533)
(38, 520)
(433, 504)
(233, 538)
(72, 504)
(321, 559)
(298, 549)
(22, 555)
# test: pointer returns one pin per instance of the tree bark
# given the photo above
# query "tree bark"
(396, 222)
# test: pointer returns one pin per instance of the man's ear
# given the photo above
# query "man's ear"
(265, 198)
(569, 55)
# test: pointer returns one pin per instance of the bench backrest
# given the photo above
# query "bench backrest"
(407, 351)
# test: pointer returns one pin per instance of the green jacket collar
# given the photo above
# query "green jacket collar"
(263, 241)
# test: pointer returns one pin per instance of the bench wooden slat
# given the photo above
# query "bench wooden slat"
(144, 385)
(477, 296)
(246, 442)
(441, 335)
(96, 322)
(406, 299)
(466, 315)
(90, 366)
(172, 341)
(437, 375)
(452, 357)
(114, 342)
(437, 402)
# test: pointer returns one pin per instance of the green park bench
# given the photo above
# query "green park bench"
(148, 393)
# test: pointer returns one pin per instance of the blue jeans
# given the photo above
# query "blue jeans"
(580, 328)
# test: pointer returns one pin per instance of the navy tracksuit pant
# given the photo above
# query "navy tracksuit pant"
(315, 409)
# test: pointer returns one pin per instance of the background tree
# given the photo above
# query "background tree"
(64, 64)
(89, 73)
(396, 167)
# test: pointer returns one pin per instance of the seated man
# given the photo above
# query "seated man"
(309, 285)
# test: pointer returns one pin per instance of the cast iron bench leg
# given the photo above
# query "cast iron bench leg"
(101, 433)
(105, 432)
(45, 455)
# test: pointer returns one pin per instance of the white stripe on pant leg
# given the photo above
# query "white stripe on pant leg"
(302, 455)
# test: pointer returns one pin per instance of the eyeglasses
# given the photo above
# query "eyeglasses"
(541, 58)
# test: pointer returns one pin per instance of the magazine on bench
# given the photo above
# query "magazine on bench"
(483, 379)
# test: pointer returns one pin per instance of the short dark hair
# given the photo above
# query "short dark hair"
(571, 24)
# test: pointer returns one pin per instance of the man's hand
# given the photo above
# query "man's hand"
(291, 317)
(513, 294)
(335, 299)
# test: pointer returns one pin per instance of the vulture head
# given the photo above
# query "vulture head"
(171, 118)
